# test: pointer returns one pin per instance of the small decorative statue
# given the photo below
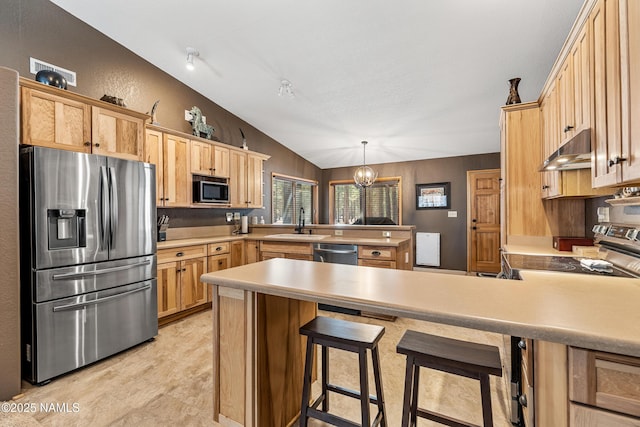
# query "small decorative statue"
(513, 98)
(113, 100)
(244, 140)
(198, 125)
(154, 109)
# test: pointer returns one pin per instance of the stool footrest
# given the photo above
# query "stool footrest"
(330, 418)
(350, 393)
(443, 419)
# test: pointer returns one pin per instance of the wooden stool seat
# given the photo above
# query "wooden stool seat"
(349, 336)
(471, 360)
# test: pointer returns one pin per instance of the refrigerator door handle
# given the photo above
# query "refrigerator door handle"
(81, 274)
(104, 207)
(113, 196)
(99, 300)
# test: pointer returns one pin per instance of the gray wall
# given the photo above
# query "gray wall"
(40, 29)
(453, 243)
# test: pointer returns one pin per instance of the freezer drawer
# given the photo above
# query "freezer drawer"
(77, 331)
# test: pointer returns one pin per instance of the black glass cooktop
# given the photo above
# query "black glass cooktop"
(512, 263)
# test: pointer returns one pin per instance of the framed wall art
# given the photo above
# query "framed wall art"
(433, 196)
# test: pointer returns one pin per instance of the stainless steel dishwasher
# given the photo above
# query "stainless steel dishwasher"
(336, 254)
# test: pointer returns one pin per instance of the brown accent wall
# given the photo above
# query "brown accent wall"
(10, 282)
(40, 29)
(453, 239)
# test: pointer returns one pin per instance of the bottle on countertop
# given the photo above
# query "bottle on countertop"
(261, 220)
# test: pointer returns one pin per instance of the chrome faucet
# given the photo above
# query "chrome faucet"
(300, 226)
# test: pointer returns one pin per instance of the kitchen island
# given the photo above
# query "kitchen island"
(271, 299)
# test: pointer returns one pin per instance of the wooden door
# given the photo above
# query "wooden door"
(483, 221)
(117, 135)
(221, 161)
(153, 154)
(56, 122)
(201, 154)
(193, 291)
(168, 288)
(177, 190)
(238, 179)
(606, 121)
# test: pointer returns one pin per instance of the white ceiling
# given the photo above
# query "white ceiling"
(418, 79)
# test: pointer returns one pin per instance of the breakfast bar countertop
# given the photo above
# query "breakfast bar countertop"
(583, 311)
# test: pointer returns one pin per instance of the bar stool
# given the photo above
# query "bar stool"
(349, 336)
(463, 358)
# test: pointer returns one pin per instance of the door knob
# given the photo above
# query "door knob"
(474, 228)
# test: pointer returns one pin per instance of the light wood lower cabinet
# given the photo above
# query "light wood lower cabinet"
(550, 383)
(179, 285)
(291, 250)
(258, 357)
(377, 256)
(251, 251)
(585, 416)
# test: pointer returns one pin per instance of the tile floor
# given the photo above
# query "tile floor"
(168, 382)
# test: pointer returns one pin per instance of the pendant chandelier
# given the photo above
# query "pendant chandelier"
(364, 176)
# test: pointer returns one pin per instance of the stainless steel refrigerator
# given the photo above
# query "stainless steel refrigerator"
(88, 259)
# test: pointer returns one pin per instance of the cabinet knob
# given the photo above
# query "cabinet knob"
(375, 253)
(567, 128)
(184, 269)
(180, 254)
(522, 344)
(87, 143)
(523, 400)
(219, 248)
(97, 144)
(615, 160)
(545, 187)
(220, 262)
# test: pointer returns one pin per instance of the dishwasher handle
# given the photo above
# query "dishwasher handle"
(337, 251)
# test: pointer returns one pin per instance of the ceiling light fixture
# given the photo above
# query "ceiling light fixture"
(286, 88)
(364, 176)
(191, 52)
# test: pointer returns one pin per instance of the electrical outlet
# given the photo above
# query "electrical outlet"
(338, 232)
(386, 234)
(452, 214)
(236, 216)
(229, 216)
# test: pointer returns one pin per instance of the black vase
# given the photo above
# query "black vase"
(51, 78)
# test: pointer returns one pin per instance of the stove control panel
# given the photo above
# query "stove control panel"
(600, 229)
(619, 231)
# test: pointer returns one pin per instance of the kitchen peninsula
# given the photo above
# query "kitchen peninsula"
(273, 298)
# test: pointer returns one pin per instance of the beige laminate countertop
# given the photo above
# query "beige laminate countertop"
(297, 238)
(579, 310)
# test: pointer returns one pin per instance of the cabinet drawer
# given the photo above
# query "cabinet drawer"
(584, 416)
(219, 248)
(377, 252)
(380, 263)
(287, 247)
(605, 380)
(181, 253)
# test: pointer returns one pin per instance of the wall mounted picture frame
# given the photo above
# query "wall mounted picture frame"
(436, 195)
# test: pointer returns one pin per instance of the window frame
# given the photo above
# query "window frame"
(332, 195)
(295, 179)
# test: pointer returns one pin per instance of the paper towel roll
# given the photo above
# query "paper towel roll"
(245, 224)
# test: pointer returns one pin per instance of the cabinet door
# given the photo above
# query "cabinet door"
(193, 291)
(237, 253)
(221, 161)
(116, 134)
(254, 181)
(606, 123)
(177, 188)
(217, 263)
(168, 288)
(53, 121)
(153, 154)
(550, 382)
(566, 125)
(238, 179)
(551, 180)
(201, 155)
(582, 78)
(584, 416)
(630, 35)
(252, 251)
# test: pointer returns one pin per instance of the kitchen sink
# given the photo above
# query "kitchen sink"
(292, 236)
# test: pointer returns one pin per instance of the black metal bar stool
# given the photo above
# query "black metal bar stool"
(349, 336)
(463, 358)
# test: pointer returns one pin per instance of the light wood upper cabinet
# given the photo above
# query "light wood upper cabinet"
(549, 119)
(54, 121)
(177, 179)
(582, 78)
(153, 153)
(116, 134)
(246, 179)
(55, 118)
(209, 159)
(566, 118)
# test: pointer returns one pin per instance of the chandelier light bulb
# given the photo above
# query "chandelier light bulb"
(364, 175)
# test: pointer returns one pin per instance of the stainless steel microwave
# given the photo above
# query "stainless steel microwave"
(210, 192)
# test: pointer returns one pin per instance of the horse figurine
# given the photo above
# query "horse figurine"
(199, 127)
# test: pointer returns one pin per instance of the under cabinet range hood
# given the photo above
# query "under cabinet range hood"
(573, 154)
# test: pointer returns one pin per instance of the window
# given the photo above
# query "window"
(288, 195)
(381, 202)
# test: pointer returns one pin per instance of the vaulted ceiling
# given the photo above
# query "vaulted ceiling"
(418, 79)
